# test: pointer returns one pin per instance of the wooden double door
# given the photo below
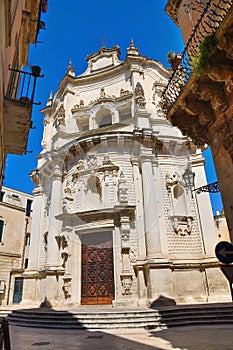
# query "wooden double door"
(97, 269)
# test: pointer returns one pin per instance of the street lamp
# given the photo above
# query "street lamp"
(188, 178)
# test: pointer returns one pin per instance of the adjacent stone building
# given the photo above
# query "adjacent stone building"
(20, 22)
(113, 222)
(15, 234)
(199, 96)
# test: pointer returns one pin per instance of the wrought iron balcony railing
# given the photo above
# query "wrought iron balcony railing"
(211, 18)
(22, 85)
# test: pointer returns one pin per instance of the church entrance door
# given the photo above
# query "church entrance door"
(97, 269)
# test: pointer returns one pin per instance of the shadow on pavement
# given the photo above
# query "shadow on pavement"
(53, 339)
(198, 337)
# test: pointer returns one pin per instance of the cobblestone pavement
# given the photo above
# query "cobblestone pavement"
(182, 338)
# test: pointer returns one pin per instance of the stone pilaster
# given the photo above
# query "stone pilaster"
(36, 222)
(54, 227)
(139, 212)
(151, 216)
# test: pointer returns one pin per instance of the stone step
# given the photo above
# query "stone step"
(85, 325)
(99, 318)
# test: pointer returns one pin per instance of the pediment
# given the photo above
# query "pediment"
(103, 59)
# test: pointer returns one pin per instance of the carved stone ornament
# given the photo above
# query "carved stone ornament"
(60, 117)
(181, 222)
(125, 231)
(133, 254)
(173, 179)
(158, 89)
(126, 282)
(64, 242)
(64, 249)
(139, 96)
(68, 189)
(67, 286)
(34, 175)
(228, 145)
(45, 235)
(122, 190)
(102, 93)
(64, 256)
(67, 204)
(91, 161)
(182, 225)
(124, 92)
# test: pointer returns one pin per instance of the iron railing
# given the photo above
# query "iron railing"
(22, 85)
(212, 16)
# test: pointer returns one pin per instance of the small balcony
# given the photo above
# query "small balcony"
(18, 109)
(199, 95)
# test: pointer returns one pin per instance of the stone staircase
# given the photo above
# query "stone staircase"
(112, 318)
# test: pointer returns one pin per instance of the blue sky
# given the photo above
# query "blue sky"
(75, 29)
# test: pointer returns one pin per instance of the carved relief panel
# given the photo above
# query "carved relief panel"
(95, 183)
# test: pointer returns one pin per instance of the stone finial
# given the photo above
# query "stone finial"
(132, 50)
(50, 100)
(70, 70)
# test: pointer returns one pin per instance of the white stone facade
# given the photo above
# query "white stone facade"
(113, 222)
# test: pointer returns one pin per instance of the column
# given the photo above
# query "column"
(150, 205)
(54, 226)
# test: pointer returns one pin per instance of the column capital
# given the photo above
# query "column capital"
(147, 156)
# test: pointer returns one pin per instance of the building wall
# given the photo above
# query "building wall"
(14, 244)
(18, 29)
(119, 177)
(215, 22)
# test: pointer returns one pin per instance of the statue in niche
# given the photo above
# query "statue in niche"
(81, 104)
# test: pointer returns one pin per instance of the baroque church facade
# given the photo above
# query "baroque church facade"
(113, 222)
